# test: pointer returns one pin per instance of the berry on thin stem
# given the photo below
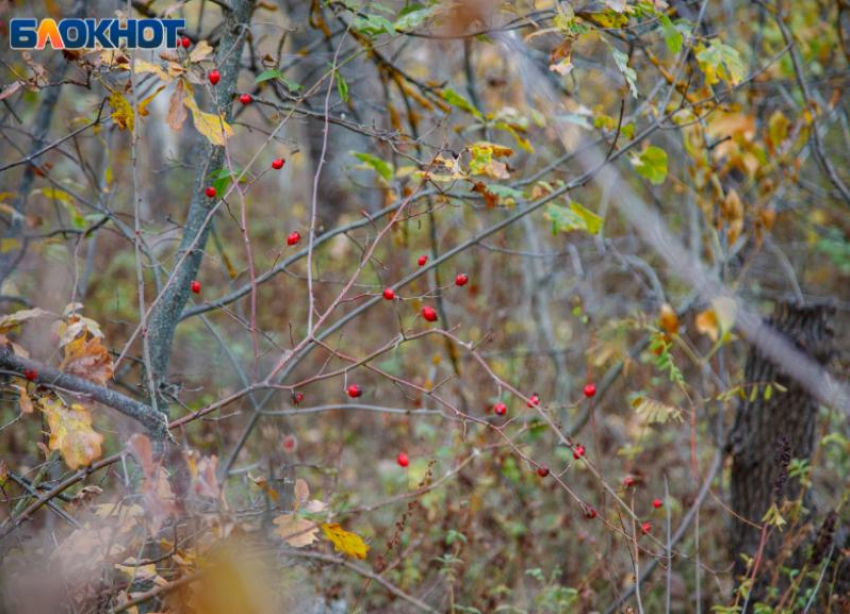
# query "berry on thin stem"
(185, 42)
(646, 528)
(629, 481)
(30, 375)
(462, 279)
(210, 192)
(578, 451)
(246, 99)
(590, 390)
(402, 459)
(278, 163)
(500, 409)
(657, 503)
(543, 471)
(533, 400)
(294, 238)
(590, 513)
(389, 294)
(297, 397)
(214, 76)
(196, 287)
(354, 391)
(429, 313)
(422, 260)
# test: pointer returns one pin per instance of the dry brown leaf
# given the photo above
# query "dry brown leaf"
(13, 320)
(668, 320)
(87, 358)
(176, 109)
(296, 530)
(201, 52)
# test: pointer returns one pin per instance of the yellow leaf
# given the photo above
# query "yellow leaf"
(122, 112)
(56, 194)
(24, 400)
(143, 105)
(345, 542)
(142, 67)
(296, 530)
(707, 324)
(213, 127)
(71, 432)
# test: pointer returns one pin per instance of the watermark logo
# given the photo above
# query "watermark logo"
(29, 33)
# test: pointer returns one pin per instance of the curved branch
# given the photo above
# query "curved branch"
(153, 421)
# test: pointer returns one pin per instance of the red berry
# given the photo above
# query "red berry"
(210, 192)
(657, 503)
(185, 42)
(30, 375)
(297, 397)
(196, 287)
(294, 238)
(590, 513)
(500, 409)
(354, 391)
(462, 279)
(629, 481)
(278, 163)
(422, 260)
(402, 459)
(290, 443)
(389, 294)
(533, 400)
(646, 528)
(543, 471)
(214, 76)
(590, 390)
(429, 313)
(246, 99)
(578, 451)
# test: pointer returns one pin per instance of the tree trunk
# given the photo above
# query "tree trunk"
(769, 432)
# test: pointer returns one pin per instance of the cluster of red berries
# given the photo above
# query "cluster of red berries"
(30, 375)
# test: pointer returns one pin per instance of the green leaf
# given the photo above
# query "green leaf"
(373, 25)
(268, 75)
(382, 167)
(413, 16)
(456, 100)
(273, 73)
(622, 62)
(673, 36)
(652, 164)
(721, 61)
(342, 86)
(574, 217)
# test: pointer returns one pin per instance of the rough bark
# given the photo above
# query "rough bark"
(765, 426)
(166, 315)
